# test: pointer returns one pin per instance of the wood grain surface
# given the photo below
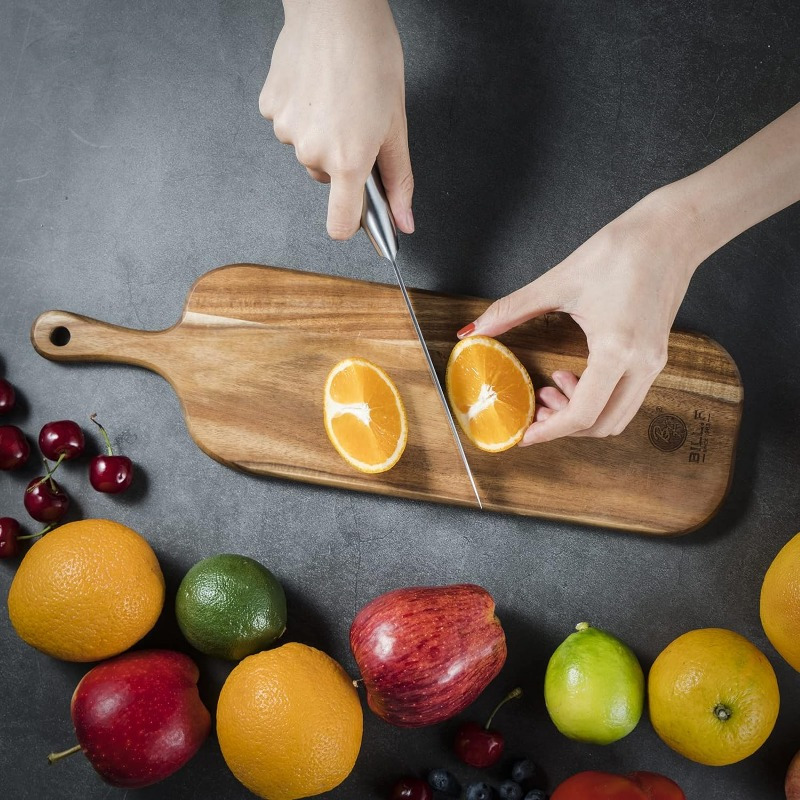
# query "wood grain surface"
(249, 358)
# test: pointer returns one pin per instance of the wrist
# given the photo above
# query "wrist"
(684, 210)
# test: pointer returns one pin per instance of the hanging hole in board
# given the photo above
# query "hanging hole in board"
(60, 336)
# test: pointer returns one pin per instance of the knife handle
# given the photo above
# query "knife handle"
(377, 219)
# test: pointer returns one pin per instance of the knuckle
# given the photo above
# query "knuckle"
(407, 184)
(500, 309)
(282, 130)
(307, 153)
(265, 104)
(619, 428)
(601, 431)
(351, 161)
(655, 360)
(582, 420)
(619, 349)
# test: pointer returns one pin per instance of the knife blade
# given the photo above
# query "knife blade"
(378, 223)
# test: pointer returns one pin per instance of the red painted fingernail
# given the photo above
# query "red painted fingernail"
(466, 330)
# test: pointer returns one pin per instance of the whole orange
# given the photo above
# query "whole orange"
(713, 696)
(289, 723)
(86, 591)
(780, 602)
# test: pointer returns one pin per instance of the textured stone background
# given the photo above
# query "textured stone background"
(133, 159)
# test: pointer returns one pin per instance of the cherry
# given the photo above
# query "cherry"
(61, 441)
(479, 745)
(411, 789)
(7, 396)
(14, 447)
(10, 538)
(9, 533)
(45, 500)
(109, 473)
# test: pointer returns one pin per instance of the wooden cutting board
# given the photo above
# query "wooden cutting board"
(250, 355)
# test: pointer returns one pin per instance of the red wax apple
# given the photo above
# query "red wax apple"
(425, 653)
(792, 787)
(605, 786)
(138, 717)
(479, 745)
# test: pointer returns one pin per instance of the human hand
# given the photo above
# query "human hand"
(623, 287)
(336, 92)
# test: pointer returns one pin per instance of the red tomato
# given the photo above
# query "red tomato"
(598, 786)
(605, 786)
(657, 787)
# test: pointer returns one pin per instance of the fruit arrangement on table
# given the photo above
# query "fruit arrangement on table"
(289, 720)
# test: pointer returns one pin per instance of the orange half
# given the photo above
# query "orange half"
(365, 418)
(490, 392)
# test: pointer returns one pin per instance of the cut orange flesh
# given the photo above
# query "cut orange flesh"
(490, 392)
(364, 415)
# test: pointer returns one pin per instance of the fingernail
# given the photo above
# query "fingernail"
(466, 330)
(529, 438)
(410, 220)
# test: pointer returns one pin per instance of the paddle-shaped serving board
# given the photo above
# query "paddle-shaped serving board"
(250, 355)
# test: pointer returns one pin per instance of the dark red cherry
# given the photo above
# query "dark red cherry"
(479, 745)
(411, 789)
(45, 500)
(14, 447)
(9, 531)
(61, 440)
(109, 473)
(8, 397)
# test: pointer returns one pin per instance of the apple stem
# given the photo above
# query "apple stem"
(53, 757)
(722, 712)
(42, 532)
(93, 418)
(512, 695)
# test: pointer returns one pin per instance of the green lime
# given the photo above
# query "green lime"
(230, 606)
(594, 687)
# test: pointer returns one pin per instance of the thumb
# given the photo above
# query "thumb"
(394, 163)
(530, 301)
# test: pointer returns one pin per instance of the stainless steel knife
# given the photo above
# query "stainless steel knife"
(377, 221)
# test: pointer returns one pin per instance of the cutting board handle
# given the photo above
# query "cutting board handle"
(62, 336)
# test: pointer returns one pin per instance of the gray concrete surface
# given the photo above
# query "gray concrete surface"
(133, 159)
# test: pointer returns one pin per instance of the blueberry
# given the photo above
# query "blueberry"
(441, 780)
(510, 790)
(524, 770)
(536, 794)
(479, 791)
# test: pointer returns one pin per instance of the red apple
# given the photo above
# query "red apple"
(138, 717)
(425, 653)
(792, 787)
(605, 786)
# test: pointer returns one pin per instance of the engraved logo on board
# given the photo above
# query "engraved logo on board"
(667, 432)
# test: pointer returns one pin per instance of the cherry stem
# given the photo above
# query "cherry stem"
(93, 418)
(48, 474)
(42, 532)
(512, 695)
(53, 757)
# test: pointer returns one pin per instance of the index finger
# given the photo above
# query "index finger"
(591, 395)
(345, 204)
